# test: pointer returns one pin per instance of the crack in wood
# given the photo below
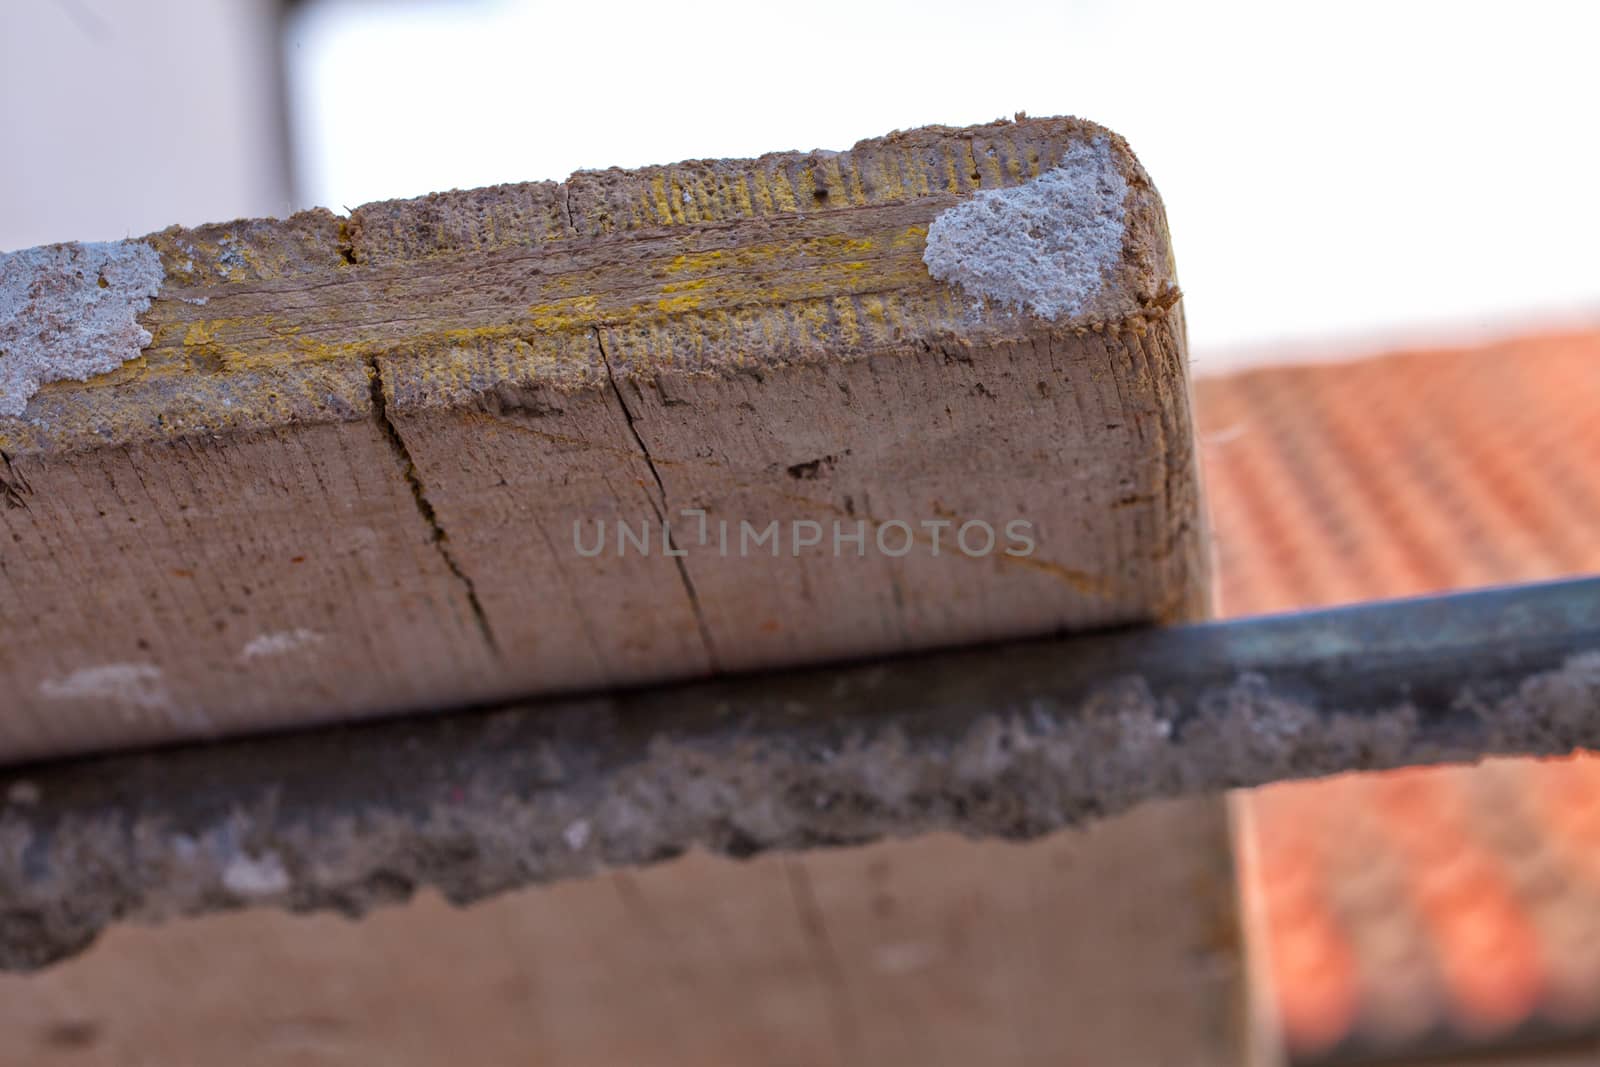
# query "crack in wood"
(437, 535)
(14, 487)
(660, 508)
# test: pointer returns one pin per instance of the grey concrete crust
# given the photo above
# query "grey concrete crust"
(1012, 741)
(71, 311)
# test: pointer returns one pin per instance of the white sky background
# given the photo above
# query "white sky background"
(119, 117)
(1347, 170)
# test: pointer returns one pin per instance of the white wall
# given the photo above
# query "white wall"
(119, 117)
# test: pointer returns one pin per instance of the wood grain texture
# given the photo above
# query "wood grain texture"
(343, 477)
(936, 952)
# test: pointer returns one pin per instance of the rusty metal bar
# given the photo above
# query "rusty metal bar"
(1011, 740)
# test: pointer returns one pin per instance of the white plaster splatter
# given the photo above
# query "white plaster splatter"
(137, 685)
(1046, 245)
(71, 311)
(251, 877)
(279, 643)
(230, 259)
(576, 834)
(185, 847)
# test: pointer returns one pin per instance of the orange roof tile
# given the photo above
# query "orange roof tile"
(1421, 909)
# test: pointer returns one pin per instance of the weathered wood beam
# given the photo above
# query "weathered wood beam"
(268, 473)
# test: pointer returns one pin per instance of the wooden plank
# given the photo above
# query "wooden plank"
(342, 475)
(1113, 945)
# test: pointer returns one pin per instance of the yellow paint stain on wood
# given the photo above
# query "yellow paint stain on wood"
(843, 266)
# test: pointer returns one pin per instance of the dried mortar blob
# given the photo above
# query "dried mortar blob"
(1045, 246)
(71, 311)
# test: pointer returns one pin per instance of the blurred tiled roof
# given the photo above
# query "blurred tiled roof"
(1436, 908)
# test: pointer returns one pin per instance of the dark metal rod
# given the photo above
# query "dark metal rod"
(1010, 740)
